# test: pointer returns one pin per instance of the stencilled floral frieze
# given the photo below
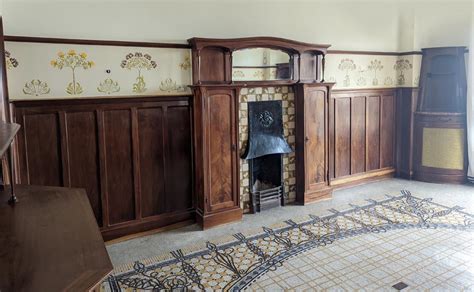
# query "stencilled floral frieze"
(73, 61)
(108, 86)
(168, 85)
(238, 74)
(388, 81)
(138, 61)
(36, 87)
(186, 64)
(401, 66)
(10, 61)
(375, 65)
(346, 65)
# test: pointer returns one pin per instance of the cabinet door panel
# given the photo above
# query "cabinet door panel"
(118, 166)
(151, 152)
(43, 152)
(315, 129)
(82, 157)
(221, 128)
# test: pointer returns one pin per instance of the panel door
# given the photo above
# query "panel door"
(315, 108)
(222, 150)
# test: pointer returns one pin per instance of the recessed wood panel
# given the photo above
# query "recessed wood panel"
(387, 133)
(212, 64)
(82, 157)
(220, 148)
(358, 135)
(315, 140)
(373, 132)
(43, 149)
(342, 136)
(118, 164)
(179, 169)
(152, 177)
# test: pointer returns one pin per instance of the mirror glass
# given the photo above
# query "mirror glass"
(260, 64)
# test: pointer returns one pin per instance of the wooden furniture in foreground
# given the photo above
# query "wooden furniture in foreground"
(440, 153)
(132, 155)
(50, 241)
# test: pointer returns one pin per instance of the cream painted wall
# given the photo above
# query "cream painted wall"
(345, 25)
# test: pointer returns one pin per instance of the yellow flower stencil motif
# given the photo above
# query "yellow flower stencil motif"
(73, 61)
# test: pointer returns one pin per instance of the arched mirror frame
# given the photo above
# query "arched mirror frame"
(212, 59)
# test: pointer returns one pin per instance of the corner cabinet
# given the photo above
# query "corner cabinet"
(216, 155)
(312, 142)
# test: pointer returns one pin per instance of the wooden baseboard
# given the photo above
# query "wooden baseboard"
(219, 218)
(151, 232)
(358, 179)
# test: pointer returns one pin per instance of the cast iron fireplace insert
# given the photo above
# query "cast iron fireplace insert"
(265, 149)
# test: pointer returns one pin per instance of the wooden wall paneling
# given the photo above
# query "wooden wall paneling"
(42, 149)
(342, 129)
(109, 147)
(373, 132)
(119, 165)
(358, 134)
(80, 156)
(178, 174)
(152, 161)
(387, 130)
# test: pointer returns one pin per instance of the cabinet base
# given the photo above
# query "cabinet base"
(215, 219)
(440, 178)
(316, 196)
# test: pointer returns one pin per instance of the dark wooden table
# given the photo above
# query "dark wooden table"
(50, 241)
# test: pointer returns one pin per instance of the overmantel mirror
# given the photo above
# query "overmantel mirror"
(256, 60)
(261, 64)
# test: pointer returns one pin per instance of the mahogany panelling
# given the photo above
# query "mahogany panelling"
(178, 175)
(312, 161)
(221, 143)
(315, 129)
(82, 157)
(358, 146)
(43, 145)
(373, 133)
(213, 62)
(217, 160)
(152, 165)
(387, 131)
(132, 155)
(362, 135)
(342, 130)
(118, 164)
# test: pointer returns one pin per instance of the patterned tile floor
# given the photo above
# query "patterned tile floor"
(372, 247)
(424, 259)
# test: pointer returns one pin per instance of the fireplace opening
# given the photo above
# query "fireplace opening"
(265, 149)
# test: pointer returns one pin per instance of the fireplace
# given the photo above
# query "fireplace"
(264, 151)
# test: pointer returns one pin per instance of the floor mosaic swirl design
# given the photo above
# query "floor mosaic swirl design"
(248, 260)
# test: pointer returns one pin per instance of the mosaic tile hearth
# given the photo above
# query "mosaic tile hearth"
(372, 247)
(286, 95)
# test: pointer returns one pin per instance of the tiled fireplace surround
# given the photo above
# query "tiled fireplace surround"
(286, 95)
